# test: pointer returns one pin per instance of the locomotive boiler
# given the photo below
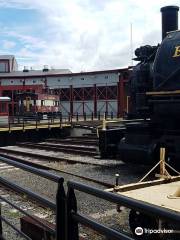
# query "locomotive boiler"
(154, 89)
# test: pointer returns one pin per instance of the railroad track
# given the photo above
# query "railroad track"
(6, 167)
(84, 137)
(36, 209)
(86, 142)
(24, 203)
(44, 166)
(48, 157)
(81, 145)
(80, 150)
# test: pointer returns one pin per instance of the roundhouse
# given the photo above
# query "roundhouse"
(96, 92)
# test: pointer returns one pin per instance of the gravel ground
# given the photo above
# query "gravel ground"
(106, 173)
(13, 215)
(63, 155)
(87, 159)
(99, 209)
(96, 208)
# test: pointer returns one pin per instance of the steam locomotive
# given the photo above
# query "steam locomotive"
(154, 89)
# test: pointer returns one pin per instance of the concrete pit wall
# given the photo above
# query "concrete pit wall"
(33, 135)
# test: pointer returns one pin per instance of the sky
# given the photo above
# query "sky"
(80, 35)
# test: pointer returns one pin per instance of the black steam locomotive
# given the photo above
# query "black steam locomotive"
(154, 89)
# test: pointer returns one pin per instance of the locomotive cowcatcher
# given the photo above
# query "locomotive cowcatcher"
(154, 89)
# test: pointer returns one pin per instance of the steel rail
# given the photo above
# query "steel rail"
(15, 228)
(61, 148)
(22, 190)
(45, 157)
(27, 214)
(33, 170)
(92, 142)
(45, 167)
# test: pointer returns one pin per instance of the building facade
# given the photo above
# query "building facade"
(80, 93)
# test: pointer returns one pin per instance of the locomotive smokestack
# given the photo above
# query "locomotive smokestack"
(169, 19)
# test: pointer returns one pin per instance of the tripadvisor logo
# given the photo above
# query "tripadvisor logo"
(139, 231)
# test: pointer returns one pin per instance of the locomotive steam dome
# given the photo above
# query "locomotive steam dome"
(167, 62)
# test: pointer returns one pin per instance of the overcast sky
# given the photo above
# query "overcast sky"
(81, 35)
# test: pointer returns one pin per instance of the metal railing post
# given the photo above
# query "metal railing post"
(1, 231)
(92, 116)
(60, 212)
(60, 119)
(77, 117)
(69, 117)
(18, 118)
(48, 122)
(84, 116)
(72, 226)
(99, 115)
(117, 115)
(111, 115)
(23, 123)
(36, 121)
(105, 115)
(9, 124)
